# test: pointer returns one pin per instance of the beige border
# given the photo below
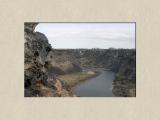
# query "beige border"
(15, 107)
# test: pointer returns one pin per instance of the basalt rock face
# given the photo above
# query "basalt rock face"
(63, 62)
(39, 79)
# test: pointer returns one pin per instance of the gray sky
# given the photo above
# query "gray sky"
(89, 35)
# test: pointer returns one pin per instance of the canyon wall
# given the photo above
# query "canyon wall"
(39, 78)
(120, 61)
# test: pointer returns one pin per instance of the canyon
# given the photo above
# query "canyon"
(122, 62)
(43, 66)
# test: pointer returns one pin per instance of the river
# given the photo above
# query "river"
(99, 86)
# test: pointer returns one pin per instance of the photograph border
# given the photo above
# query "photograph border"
(135, 23)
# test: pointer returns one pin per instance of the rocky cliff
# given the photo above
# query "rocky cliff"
(63, 62)
(39, 76)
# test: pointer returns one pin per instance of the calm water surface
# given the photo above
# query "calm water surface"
(99, 86)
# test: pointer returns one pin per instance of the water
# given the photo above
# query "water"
(99, 86)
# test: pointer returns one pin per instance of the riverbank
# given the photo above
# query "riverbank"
(99, 86)
(75, 78)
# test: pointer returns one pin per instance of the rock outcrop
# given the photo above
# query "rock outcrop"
(38, 77)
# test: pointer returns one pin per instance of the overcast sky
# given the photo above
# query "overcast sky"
(89, 35)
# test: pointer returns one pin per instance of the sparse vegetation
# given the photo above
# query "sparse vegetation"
(74, 78)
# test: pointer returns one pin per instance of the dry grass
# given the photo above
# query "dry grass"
(74, 78)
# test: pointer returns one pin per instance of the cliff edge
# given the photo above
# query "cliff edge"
(38, 80)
